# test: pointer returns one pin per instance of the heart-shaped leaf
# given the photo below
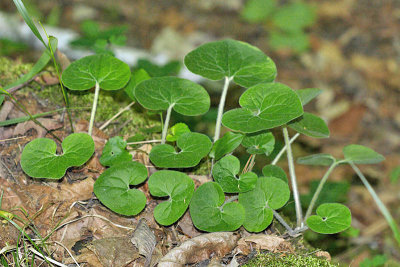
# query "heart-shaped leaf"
(112, 188)
(186, 97)
(317, 160)
(40, 160)
(225, 173)
(137, 77)
(176, 131)
(193, 147)
(259, 143)
(310, 125)
(264, 106)
(115, 152)
(331, 218)
(274, 171)
(308, 94)
(225, 145)
(178, 187)
(361, 155)
(269, 194)
(247, 64)
(210, 213)
(109, 72)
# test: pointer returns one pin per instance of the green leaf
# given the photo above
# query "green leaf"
(395, 174)
(255, 11)
(112, 188)
(178, 187)
(310, 125)
(39, 158)
(225, 173)
(308, 94)
(225, 145)
(188, 98)
(331, 218)
(259, 143)
(172, 68)
(210, 213)
(317, 160)
(269, 194)
(264, 106)
(296, 41)
(331, 192)
(176, 131)
(193, 147)
(115, 152)
(2, 96)
(109, 72)
(137, 77)
(294, 17)
(359, 154)
(274, 171)
(247, 64)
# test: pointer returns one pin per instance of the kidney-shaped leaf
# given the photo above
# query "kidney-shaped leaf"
(40, 160)
(109, 72)
(209, 213)
(193, 147)
(308, 94)
(225, 145)
(361, 155)
(259, 143)
(114, 152)
(317, 160)
(137, 77)
(178, 187)
(270, 193)
(112, 188)
(264, 106)
(247, 64)
(274, 171)
(186, 97)
(225, 173)
(176, 131)
(310, 125)
(331, 218)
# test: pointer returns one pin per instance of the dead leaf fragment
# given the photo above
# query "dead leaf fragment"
(268, 242)
(144, 239)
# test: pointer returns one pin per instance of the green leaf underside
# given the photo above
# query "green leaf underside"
(178, 187)
(193, 147)
(112, 188)
(109, 72)
(310, 125)
(208, 214)
(188, 98)
(259, 143)
(317, 160)
(137, 77)
(225, 145)
(39, 158)
(274, 171)
(176, 131)
(114, 152)
(331, 218)
(225, 174)
(230, 58)
(308, 94)
(270, 193)
(361, 155)
(264, 106)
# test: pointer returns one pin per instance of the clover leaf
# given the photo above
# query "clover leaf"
(225, 145)
(247, 64)
(40, 160)
(115, 152)
(269, 194)
(274, 171)
(317, 160)
(211, 213)
(308, 94)
(361, 154)
(137, 77)
(259, 143)
(176, 131)
(112, 188)
(264, 106)
(331, 218)
(178, 187)
(310, 125)
(225, 173)
(193, 147)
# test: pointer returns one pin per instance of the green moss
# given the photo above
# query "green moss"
(10, 71)
(282, 260)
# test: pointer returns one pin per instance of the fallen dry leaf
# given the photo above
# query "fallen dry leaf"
(268, 242)
(144, 239)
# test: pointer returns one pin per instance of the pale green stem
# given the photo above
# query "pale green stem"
(165, 128)
(379, 203)
(283, 222)
(102, 127)
(94, 107)
(293, 180)
(319, 189)
(276, 159)
(221, 108)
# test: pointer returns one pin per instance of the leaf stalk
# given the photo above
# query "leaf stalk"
(95, 100)
(221, 108)
(165, 127)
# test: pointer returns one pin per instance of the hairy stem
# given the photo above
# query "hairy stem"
(165, 128)
(283, 222)
(95, 100)
(221, 107)
(299, 216)
(379, 203)
(283, 150)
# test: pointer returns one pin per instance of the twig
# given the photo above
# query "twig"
(14, 138)
(102, 127)
(144, 142)
(17, 87)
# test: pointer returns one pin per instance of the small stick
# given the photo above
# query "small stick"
(144, 142)
(15, 138)
(102, 127)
